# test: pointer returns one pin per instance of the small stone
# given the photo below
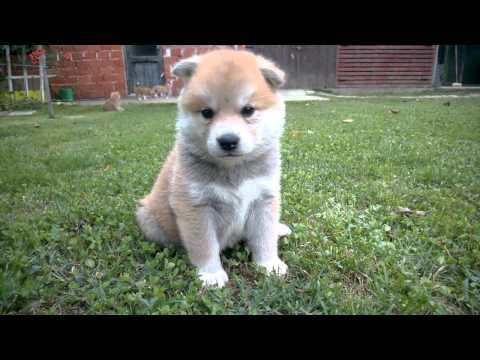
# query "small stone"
(405, 210)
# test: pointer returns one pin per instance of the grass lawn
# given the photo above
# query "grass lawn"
(69, 243)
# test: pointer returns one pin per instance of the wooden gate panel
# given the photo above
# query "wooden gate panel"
(385, 65)
(306, 66)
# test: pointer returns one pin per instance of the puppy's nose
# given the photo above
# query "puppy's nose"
(228, 142)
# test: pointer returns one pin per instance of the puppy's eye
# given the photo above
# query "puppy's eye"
(207, 113)
(247, 110)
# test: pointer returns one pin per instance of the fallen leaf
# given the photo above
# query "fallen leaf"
(405, 210)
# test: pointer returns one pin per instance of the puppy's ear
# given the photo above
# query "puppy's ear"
(274, 76)
(185, 69)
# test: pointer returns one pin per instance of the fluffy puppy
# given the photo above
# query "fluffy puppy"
(143, 91)
(221, 182)
(113, 104)
(160, 91)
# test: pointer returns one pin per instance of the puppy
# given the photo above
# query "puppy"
(142, 92)
(113, 104)
(221, 182)
(160, 91)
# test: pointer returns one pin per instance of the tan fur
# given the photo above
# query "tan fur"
(143, 91)
(222, 63)
(161, 90)
(158, 201)
(113, 104)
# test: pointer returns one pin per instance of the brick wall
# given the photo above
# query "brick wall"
(94, 71)
(173, 53)
(97, 70)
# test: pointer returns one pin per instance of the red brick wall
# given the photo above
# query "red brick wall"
(173, 53)
(94, 72)
(97, 70)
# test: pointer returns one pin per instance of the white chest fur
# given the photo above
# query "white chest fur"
(238, 201)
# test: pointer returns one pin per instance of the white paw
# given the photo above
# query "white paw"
(283, 230)
(218, 278)
(276, 266)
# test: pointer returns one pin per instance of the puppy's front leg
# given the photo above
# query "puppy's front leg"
(262, 236)
(200, 240)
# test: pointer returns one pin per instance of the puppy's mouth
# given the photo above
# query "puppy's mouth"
(231, 155)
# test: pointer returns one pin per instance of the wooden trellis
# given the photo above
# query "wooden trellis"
(42, 75)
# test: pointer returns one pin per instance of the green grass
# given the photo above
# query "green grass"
(69, 243)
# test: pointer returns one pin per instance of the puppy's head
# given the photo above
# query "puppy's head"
(115, 95)
(229, 108)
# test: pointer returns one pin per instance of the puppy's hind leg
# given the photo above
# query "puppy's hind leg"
(150, 226)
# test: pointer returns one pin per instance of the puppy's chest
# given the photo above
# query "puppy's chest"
(230, 205)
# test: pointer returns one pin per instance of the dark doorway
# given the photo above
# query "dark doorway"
(144, 66)
(460, 63)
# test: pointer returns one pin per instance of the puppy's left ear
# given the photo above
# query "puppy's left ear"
(274, 76)
(185, 69)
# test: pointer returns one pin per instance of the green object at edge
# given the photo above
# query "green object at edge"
(66, 94)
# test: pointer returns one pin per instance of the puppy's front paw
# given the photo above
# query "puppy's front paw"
(283, 230)
(275, 266)
(218, 278)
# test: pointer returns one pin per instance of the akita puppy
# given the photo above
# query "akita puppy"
(221, 182)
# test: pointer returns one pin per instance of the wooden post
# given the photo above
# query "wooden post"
(46, 87)
(9, 68)
(435, 61)
(456, 63)
(42, 79)
(462, 62)
(25, 73)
